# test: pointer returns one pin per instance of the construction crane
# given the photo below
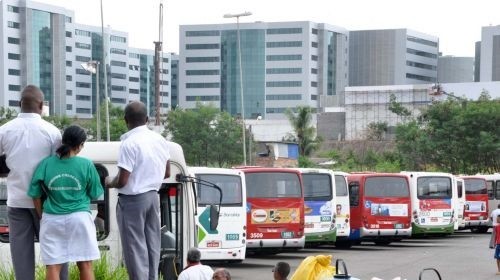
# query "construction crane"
(157, 65)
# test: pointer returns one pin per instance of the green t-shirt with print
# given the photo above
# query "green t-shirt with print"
(70, 183)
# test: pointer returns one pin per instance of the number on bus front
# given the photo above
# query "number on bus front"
(256, 235)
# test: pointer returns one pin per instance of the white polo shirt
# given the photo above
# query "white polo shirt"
(143, 153)
(494, 215)
(26, 140)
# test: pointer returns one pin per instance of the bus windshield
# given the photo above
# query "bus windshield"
(433, 188)
(272, 184)
(340, 185)
(475, 186)
(317, 186)
(229, 184)
(386, 187)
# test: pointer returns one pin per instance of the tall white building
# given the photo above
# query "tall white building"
(42, 45)
(392, 57)
(284, 64)
(454, 69)
(489, 54)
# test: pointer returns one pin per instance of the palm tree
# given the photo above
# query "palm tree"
(304, 131)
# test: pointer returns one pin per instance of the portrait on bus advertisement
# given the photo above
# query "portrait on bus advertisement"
(392, 210)
(275, 216)
(434, 204)
(475, 206)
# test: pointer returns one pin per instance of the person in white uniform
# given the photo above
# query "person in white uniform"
(25, 141)
(195, 270)
(143, 163)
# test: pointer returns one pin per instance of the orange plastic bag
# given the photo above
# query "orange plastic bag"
(315, 268)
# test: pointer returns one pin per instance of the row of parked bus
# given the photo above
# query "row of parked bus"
(270, 210)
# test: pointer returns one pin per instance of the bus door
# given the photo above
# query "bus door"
(460, 204)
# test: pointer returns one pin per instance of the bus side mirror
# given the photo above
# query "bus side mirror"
(214, 217)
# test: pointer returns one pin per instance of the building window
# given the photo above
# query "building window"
(133, 91)
(314, 84)
(164, 93)
(284, 31)
(118, 88)
(314, 44)
(67, 19)
(69, 78)
(164, 83)
(68, 48)
(134, 67)
(82, 111)
(82, 85)
(69, 63)
(421, 53)
(421, 41)
(134, 55)
(13, 9)
(202, 33)
(314, 71)
(82, 58)
(275, 110)
(118, 76)
(119, 39)
(203, 59)
(118, 63)
(14, 72)
(118, 51)
(420, 78)
(314, 97)
(282, 57)
(83, 33)
(69, 107)
(81, 71)
(14, 87)
(14, 103)
(133, 79)
(164, 60)
(82, 97)
(202, 72)
(202, 85)
(12, 40)
(314, 57)
(164, 71)
(314, 31)
(203, 98)
(283, 70)
(283, 97)
(284, 84)
(118, 100)
(284, 44)
(82, 46)
(69, 92)
(421, 65)
(14, 56)
(13, 24)
(69, 34)
(202, 46)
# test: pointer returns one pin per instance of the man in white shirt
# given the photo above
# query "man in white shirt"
(494, 215)
(25, 141)
(195, 270)
(143, 163)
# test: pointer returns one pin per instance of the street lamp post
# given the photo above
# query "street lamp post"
(92, 66)
(243, 129)
(106, 98)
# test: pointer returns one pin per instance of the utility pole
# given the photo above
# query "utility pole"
(157, 65)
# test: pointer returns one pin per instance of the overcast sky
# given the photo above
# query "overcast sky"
(457, 23)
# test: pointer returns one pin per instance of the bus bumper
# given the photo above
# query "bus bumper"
(476, 223)
(426, 230)
(370, 232)
(292, 243)
(320, 237)
(218, 254)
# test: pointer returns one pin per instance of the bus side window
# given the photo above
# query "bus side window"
(354, 194)
(100, 207)
(4, 223)
(497, 189)
(490, 187)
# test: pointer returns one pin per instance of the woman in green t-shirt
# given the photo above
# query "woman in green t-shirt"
(67, 231)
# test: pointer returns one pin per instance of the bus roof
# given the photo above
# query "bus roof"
(367, 175)
(268, 169)
(213, 170)
(315, 170)
(425, 173)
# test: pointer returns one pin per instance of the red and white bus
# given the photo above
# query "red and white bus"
(275, 209)
(380, 207)
(476, 204)
(493, 189)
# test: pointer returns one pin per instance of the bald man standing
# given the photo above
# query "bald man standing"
(143, 163)
(25, 141)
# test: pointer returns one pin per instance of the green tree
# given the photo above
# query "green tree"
(7, 114)
(208, 136)
(117, 125)
(304, 131)
(376, 130)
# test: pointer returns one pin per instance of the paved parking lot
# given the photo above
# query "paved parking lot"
(463, 255)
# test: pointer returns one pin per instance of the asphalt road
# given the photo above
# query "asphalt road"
(463, 255)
